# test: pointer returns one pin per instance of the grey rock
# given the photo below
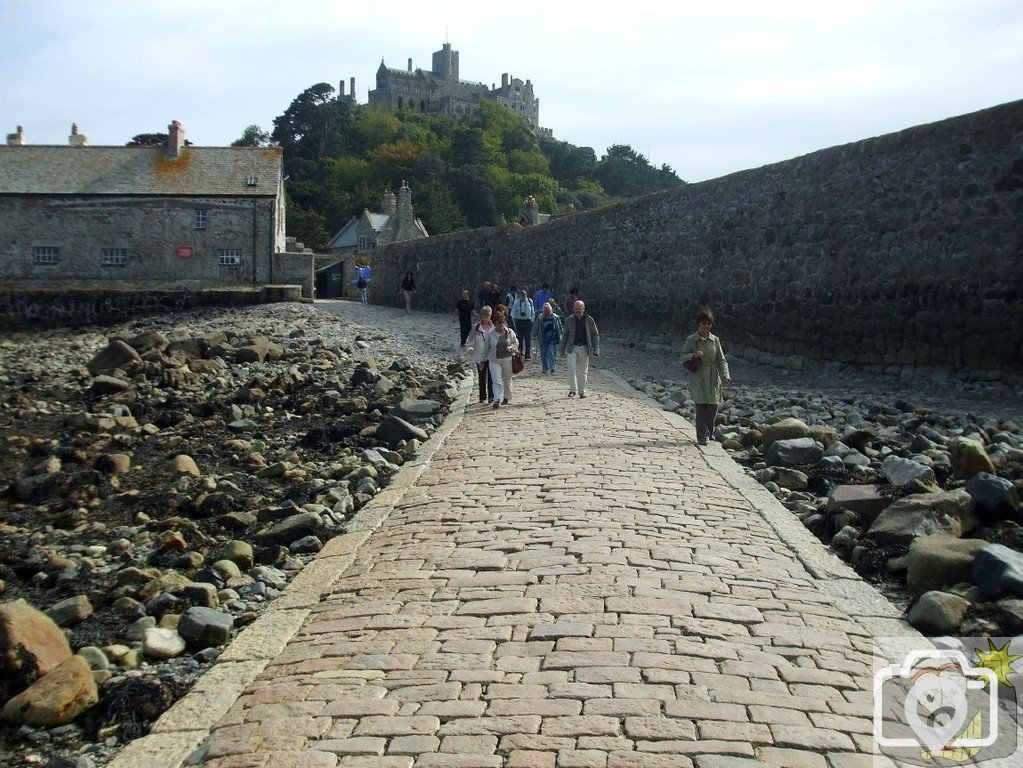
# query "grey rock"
(904, 472)
(94, 657)
(798, 451)
(108, 385)
(865, 500)
(791, 479)
(939, 562)
(839, 449)
(115, 355)
(70, 612)
(923, 514)
(205, 627)
(392, 430)
(998, 570)
(290, 529)
(938, 613)
(161, 643)
(994, 494)
(784, 429)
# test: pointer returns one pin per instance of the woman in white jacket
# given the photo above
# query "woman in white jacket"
(501, 345)
(476, 348)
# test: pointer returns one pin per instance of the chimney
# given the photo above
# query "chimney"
(388, 204)
(404, 202)
(504, 80)
(352, 89)
(175, 139)
(341, 90)
(16, 139)
(77, 139)
(409, 63)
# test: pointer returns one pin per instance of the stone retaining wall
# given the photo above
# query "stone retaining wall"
(897, 254)
(51, 306)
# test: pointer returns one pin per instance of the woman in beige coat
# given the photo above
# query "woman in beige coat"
(705, 383)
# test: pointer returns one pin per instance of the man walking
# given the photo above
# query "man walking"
(579, 341)
(542, 297)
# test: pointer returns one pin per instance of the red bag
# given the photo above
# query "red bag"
(693, 364)
(518, 363)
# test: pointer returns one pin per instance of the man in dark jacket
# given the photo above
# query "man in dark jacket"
(579, 341)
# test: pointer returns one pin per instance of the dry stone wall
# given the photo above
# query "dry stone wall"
(899, 254)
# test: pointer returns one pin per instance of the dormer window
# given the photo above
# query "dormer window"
(252, 181)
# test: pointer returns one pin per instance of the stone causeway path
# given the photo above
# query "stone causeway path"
(561, 583)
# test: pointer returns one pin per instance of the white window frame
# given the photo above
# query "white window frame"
(363, 243)
(45, 254)
(229, 257)
(201, 218)
(113, 257)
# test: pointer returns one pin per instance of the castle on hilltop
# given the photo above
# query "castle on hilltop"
(441, 90)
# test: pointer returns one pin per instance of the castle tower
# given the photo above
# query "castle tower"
(445, 63)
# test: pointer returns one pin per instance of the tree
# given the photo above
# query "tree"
(253, 136)
(626, 173)
(312, 123)
(151, 140)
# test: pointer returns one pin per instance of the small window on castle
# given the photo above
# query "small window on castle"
(45, 255)
(229, 257)
(200, 218)
(114, 257)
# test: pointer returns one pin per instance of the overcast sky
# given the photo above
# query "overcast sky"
(707, 87)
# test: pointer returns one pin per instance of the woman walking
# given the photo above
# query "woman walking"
(408, 287)
(463, 308)
(476, 347)
(501, 345)
(705, 361)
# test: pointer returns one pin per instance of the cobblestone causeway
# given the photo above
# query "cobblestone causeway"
(567, 584)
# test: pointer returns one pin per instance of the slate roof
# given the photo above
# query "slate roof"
(348, 236)
(205, 171)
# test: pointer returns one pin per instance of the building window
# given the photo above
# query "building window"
(200, 218)
(229, 257)
(363, 243)
(114, 257)
(45, 255)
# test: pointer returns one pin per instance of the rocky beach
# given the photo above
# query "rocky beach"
(163, 480)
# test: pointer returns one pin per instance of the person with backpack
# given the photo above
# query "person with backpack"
(522, 315)
(548, 336)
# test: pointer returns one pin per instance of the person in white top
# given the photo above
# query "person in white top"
(501, 345)
(522, 314)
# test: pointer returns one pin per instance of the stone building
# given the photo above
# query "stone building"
(170, 213)
(395, 223)
(441, 90)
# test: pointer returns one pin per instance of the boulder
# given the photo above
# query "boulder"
(903, 473)
(785, 429)
(798, 451)
(839, 449)
(969, 457)
(823, 434)
(392, 430)
(859, 439)
(31, 645)
(290, 529)
(108, 385)
(70, 612)
(791, 479)
(183, 464)
(938, 613)
(951, 513)
(238, 552)
(996, 497)
(865, 500)
(205, 628)
(162, 643)
(998, 571)
(55, 699)
(188, 349)
(938, 562)
(148, 341)
(418, 409)
(115, 355)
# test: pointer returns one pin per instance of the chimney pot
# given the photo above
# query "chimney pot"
(17, 138)
(352, 89)
(77, 139)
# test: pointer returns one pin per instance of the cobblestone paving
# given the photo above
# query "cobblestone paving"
(568, 584)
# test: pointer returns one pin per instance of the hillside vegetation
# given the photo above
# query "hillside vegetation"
(339, 157)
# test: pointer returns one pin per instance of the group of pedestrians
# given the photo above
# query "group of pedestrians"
(492, 343)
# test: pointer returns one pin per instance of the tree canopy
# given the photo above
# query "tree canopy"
(340, 157)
